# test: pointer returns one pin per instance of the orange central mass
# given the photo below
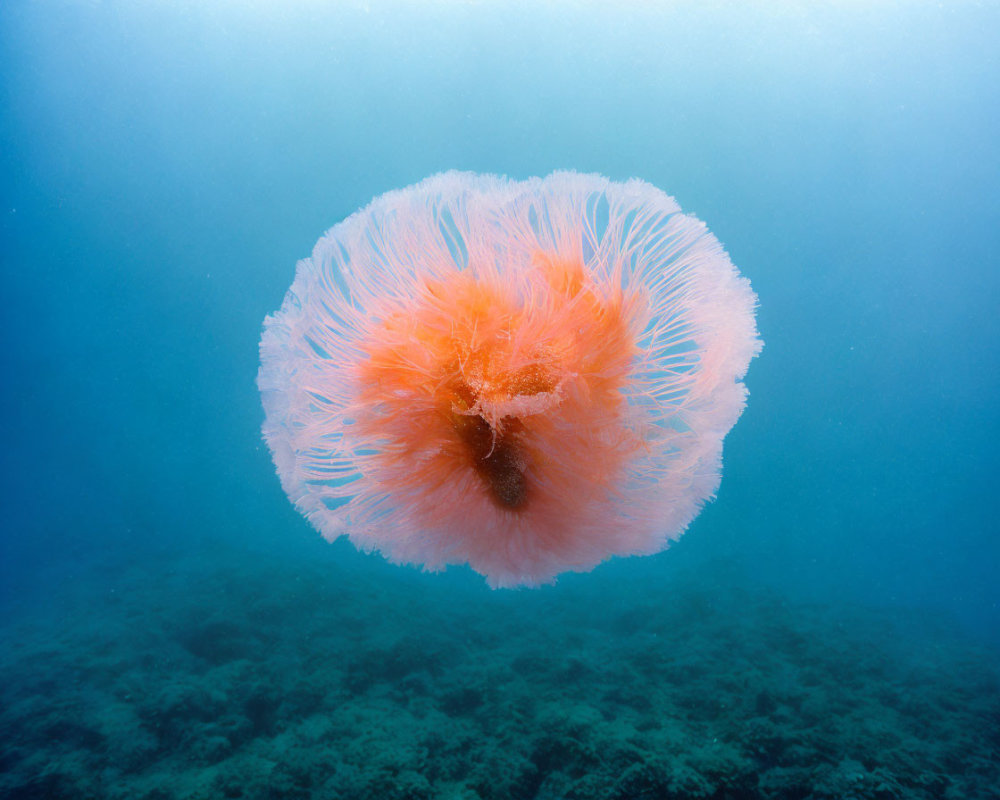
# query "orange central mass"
(472, 375)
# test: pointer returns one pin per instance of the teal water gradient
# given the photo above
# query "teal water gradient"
(164, 166)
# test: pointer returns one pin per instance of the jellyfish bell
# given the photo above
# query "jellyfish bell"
(525, 376)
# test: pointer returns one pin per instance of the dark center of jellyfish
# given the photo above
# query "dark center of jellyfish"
(495, 458)
(495, 455)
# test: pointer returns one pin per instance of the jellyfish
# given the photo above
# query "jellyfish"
(528, 377)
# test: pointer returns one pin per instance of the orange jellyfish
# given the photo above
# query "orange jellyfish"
(525, 376)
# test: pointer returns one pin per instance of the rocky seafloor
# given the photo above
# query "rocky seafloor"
(246, 678)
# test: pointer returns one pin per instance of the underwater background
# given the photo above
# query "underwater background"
(828, 627)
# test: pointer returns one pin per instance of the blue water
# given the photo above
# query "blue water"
(162, 167)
